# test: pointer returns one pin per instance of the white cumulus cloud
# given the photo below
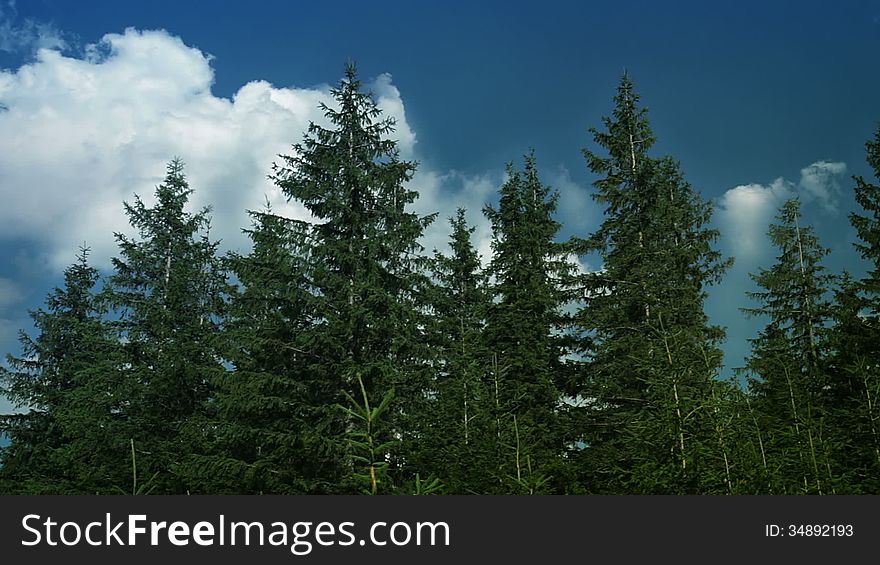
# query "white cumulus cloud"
(745, 213)
(821, 182)
(86, 133)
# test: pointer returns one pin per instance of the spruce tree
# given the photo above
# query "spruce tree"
(257, 427)
(786, 366)
(868, 225)
(852, 392)
(456, 431)
(365, 265)
(854, 363)
(51, 380)
(167, 289)
(531, 272)
(651, 355)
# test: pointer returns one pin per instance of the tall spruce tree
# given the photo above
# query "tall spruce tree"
(457, 430)
(854, 366)
(366, 265)
(265, 437)
(786, 367)
(50, 379)
(651, 355)
(531, 272)
(167, 289)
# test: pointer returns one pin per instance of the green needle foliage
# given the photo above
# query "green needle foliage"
(530, 271)
(786, 367)
(265, 414)
(366, 268)
(167, 289)
(335, 357)
(54, 447)
(367, 451)
(651, 355)
(457, 430)
(854, 364)
(868, 225)
(852, 392)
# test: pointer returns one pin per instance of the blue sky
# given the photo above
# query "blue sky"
(758, 102)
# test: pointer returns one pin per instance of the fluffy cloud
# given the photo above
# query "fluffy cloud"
(27, 35)
(744, 215)
(389, 99)
(83, 134)
(745, 212)
(87, 133)
(820, 182)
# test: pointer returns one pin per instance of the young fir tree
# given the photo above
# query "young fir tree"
(786, 374)
(167, 289)
(262, 437)
(651, 355)
(366, 268)
(457, 437)
(49, 380)
(531, 272)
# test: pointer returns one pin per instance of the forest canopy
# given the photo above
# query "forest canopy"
(338, 356)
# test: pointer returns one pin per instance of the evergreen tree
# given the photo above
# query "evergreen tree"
(868, 226)
(457, 429)
(167, 289)
(786, 367)
(531, 272)
(263, 440)
(854, 366)
(51, 380)
(365, 264)
(651, 355)
(852, 391)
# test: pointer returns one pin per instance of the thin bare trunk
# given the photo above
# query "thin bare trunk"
(797, 426)
(516, 434)
(680, 424)
(760, 445)
(814, 355)
(813, 457)
(167, 275)
(465, 385)
(678, 412)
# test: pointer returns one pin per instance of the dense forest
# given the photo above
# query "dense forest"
(338, 356)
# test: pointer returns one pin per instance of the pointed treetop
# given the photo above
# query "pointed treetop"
(626, 139)
(82, 253)
(351, 71)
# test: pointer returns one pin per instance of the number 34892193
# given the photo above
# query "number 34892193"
(819, 530)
